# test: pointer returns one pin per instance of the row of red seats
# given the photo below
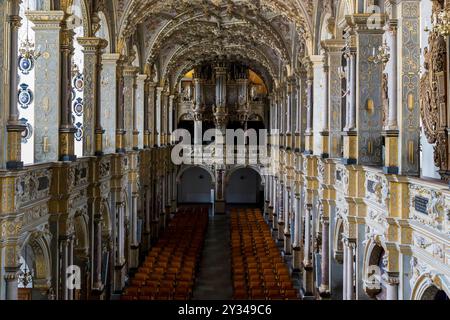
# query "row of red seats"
(258, 270)
(168, 272)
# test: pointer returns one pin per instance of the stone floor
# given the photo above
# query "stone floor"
(214, 277)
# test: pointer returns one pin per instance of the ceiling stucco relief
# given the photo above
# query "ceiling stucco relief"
(268, 34)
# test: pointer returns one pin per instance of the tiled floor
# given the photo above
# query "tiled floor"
(214, 279)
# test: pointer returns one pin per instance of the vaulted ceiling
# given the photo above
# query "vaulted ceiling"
(268, 35)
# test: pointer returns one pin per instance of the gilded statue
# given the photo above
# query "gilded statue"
(433, 99)
(385, 98)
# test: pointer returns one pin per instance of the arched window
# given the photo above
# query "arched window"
(27, 56)
(78, 78)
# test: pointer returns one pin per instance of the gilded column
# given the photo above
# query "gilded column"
(14, 126)
(66, 129)
(365, 115)
(408, 55)
(325, 133)
(334, 52)
(47, 26)
(93, 131)
(120, 125)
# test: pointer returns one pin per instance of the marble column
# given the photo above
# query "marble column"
(349, 267)
(392, 285)
(108, 100)
(93, 132)
(11, 283)
(139, 114)
(97, 274)
(325, 133)
(275, 205)
(129, 75)
(281, 209)
(325, 261)
(47, 26)
(334, 48)
(349, 133)
(287, 228)
(120, 96)
(296, 246)
(270, 196)
(309, 135)
(70, 250)
(408, 105)
(344, 270)
(134, 250)
(151, 113)
(64, 295)
(66, 129)
(365, 114)
(171, 118)
(158, 131)
(308, 271)
(14, 126)
(301, 112)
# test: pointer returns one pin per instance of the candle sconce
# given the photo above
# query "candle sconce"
(45, 145)
(382, 56)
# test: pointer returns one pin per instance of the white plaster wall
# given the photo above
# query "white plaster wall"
(195, 186)
(243, 187)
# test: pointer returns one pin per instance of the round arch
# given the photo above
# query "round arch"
(429, 285)
(374, 252)
(195, 184)
(40, 259)
(250, 179)
(338, 251)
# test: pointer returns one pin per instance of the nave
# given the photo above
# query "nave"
(235, 258)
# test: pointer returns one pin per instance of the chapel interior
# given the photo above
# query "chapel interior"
(112, 186)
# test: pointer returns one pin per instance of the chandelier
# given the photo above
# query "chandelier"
(27, 48)
(382, 56)
(441, 23)
(25, 276)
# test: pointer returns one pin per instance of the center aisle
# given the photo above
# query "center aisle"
(214, 278)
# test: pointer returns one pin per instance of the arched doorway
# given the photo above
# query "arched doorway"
(34, 279)
(195, 185)
(244, 186)
(434, 293)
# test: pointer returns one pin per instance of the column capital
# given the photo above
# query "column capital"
(92, 44)
(111, 58)
(333, 45)
(44, 20)
(141, 77)
(130, 71)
